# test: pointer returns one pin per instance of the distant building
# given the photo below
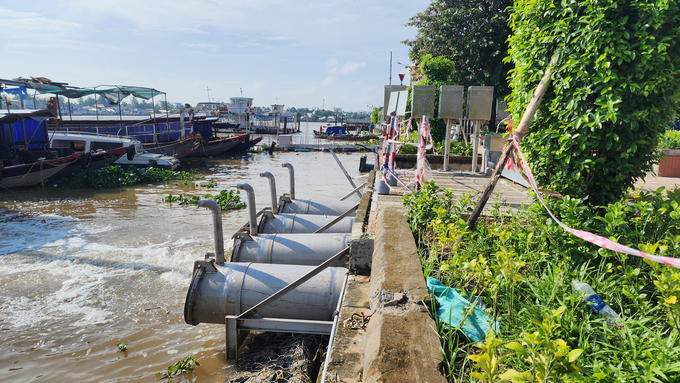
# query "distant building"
(241, 105)
(276, 110)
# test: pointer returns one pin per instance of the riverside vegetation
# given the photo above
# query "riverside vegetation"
(522, 264)
(112, 176)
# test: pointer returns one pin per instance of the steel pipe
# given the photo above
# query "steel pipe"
(296, 249)
(233, 288)
(303, 223)
(252, 215)
(292, 178)
(315, 207)
(272, 189)
(217, 225)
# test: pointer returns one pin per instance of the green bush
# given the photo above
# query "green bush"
(614, 89)
(670, 140)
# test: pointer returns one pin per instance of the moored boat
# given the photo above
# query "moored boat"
(246, 144)
(32, 174)
(135, 155)
(215, 147)
(26, 158)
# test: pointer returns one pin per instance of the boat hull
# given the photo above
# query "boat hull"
(178, 149)
(246, 145)
(27, 175)
(98, 160)
(217, 147)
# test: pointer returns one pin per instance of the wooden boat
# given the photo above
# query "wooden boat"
(246, 144)
(352, 137)
(179, 148)
(217, 146)
(31, 174)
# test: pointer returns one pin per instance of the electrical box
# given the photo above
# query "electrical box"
(479, 102)
(401, 103)
(388, 91)
(422, 103)
(451, 101)
(284, 140)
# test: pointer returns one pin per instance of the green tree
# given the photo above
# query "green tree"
(472, 34)
(376, 114)
(614, 89)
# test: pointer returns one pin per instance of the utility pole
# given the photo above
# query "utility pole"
(390, 67)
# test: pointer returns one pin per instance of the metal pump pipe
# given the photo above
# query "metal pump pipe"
(217, 224)
(252, 215)
(272, 189)
(292, 178)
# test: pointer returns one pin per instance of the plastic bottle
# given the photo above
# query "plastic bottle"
(595, 302)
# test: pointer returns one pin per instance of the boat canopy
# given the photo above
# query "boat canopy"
(336, 130)
(114, 94)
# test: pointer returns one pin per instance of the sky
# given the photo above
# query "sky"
(319, 54)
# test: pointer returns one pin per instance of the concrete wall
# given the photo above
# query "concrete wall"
(402, 344)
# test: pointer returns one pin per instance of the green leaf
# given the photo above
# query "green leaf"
(574, 354)
(513, 376)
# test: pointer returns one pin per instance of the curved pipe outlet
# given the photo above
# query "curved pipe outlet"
(252, 215)
(292, 178)
(217, 225)
(272, 189)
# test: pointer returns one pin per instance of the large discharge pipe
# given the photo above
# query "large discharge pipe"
(217, 224)
(234, 287)
(251, 207)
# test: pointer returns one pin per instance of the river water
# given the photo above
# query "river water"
(81, 271)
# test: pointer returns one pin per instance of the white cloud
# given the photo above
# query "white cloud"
(347, 68)
(281, 38)
(202, 46)
(332, 65)
(350, 67)
(329, 81)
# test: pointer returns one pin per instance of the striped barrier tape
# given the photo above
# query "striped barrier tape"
(584, 235)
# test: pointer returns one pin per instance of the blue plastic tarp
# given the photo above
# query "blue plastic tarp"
(453, 307)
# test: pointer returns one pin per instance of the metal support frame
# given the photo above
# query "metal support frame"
(475, 146)
(352, 192)
(447, 144)
(343, 170)
(337, 219)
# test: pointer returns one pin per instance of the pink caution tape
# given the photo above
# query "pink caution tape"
(586, 236)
